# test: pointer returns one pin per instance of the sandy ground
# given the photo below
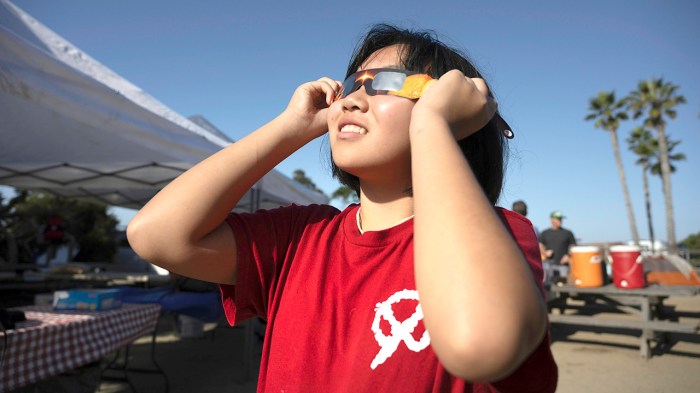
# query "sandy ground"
(597, 361)
(606, 360)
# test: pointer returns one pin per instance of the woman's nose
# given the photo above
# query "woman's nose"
(357, 100)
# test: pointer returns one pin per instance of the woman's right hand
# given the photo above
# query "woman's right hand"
(308, 107)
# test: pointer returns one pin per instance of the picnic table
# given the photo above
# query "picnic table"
(651, 316)
(51, 281)
(52, 342)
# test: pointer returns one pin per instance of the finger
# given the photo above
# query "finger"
(330, 87)
(427, 85)
(331, 82)
(491, 103)
(480, 85)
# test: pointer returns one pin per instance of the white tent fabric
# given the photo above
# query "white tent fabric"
(72, 127)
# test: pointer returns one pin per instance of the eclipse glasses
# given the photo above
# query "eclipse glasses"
(401, 83)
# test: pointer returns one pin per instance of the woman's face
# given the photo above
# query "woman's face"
(369, 134)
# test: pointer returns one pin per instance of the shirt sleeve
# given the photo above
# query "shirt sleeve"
(539, 372)
(265, 242)
(522, 231)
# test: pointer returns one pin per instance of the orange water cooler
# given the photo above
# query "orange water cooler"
(586, 267)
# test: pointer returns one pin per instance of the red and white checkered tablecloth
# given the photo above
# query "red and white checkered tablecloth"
(51, 342)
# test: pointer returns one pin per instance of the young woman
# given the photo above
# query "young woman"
(423, 286)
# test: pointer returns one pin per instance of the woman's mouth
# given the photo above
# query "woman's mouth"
(353, 129)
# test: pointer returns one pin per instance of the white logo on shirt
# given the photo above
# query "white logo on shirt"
(400, 331)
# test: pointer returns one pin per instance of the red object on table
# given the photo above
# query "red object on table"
(51, 342)
(627, 267)
(54, 229)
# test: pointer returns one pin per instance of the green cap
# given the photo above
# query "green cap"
(556, 214)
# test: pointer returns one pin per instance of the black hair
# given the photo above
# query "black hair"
(520, 207)
(486, 149)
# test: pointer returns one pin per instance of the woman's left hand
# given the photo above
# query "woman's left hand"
(464, 103)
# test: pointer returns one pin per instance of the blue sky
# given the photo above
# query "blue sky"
(237, 64)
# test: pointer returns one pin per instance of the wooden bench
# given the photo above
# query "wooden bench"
(657, 326)
(644, 308)
(649, 328)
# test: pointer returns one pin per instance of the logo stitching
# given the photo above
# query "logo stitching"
(400, 331)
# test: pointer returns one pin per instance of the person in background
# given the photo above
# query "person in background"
(520, 207)
(555, 242)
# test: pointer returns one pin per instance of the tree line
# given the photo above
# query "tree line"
(35, 223)
(654, 102)
(343, 193)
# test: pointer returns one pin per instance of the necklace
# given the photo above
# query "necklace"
(359, 221)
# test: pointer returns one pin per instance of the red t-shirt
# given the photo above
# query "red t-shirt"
(342, 308)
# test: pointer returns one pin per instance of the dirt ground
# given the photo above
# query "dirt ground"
(606, 360)
(219, 361)
(599, 361)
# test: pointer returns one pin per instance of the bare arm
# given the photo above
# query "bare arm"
(480, 302)
(183, 229)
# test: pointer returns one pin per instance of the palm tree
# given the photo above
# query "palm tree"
(655, 164)
(644, 145)
(345, 194)
(607, 113)
(657, 100)
(301, 178)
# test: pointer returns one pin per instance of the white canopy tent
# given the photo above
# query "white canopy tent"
(72, 127)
